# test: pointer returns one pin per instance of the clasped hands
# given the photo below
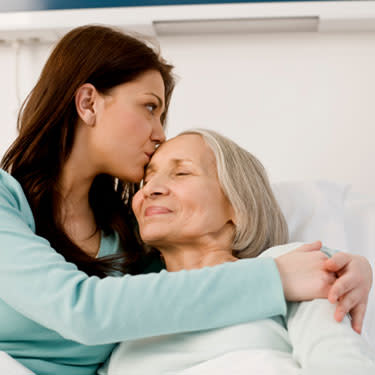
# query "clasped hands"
(345, 279)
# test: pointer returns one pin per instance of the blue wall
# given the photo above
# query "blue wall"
(25, 5)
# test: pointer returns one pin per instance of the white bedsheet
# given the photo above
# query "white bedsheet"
(308, 338)
(262, 362)
(245, 362)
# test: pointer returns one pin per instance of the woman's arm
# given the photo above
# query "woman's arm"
(37, 282)
(320, 343)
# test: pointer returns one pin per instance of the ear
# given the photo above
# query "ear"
(233, 220)
(231, 213)
(86, 103)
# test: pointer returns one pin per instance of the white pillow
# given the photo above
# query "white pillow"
(360, 224)
(341, 219)
(314, 211)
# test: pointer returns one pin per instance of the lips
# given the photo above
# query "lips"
(148, 157)
(149, 154)
(157, 210)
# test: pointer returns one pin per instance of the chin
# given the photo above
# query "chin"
(133, 178)
(152, 238)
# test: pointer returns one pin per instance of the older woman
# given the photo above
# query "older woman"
(206, 201)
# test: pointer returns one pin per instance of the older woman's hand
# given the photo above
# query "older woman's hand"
(351, 289)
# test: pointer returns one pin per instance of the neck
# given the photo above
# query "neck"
(188, 257)
(75, 212)
(74, 183)
(77, 177)
(74, 186)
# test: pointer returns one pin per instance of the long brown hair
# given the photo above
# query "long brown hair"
(105, 58)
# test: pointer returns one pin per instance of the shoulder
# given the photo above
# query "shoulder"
(10, 189)
(276, 251)
(13, 198)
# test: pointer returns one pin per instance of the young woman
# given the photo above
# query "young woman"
(205, 200)
(86, 133)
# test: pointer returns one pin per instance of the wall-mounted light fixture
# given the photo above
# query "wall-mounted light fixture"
(238, 25)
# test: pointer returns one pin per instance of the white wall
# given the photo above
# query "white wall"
(302, 102)
(17, 77)
(7, 98)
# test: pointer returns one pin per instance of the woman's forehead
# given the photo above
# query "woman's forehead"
(190, 148)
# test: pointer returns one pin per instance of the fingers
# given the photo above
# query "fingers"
(340, 287)
(327, 279)
(358, 315)
(330, 278)
(337, 262)
(339, 315)
(347, 303)
(350, 291)
(311, 246)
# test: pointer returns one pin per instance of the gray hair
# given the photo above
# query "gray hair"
(259, 222)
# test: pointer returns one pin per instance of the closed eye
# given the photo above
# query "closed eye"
(143, 183)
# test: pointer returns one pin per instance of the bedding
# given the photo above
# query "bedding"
(308, 339)
(338, 216)
(245, 362)
(316, 357)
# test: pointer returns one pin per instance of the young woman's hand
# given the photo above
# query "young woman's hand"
(303, 273)
(351, 289)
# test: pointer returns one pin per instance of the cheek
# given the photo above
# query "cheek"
(212, 205)
(198, 206)
(123, 123)
(134, 121)
(136, 204)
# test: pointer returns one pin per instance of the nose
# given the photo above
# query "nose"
(155, 188)
(158, 135)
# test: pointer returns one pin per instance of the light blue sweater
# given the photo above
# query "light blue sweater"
(55, 319)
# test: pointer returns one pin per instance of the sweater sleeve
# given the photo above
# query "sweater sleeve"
(321, 344)
(37, 282)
